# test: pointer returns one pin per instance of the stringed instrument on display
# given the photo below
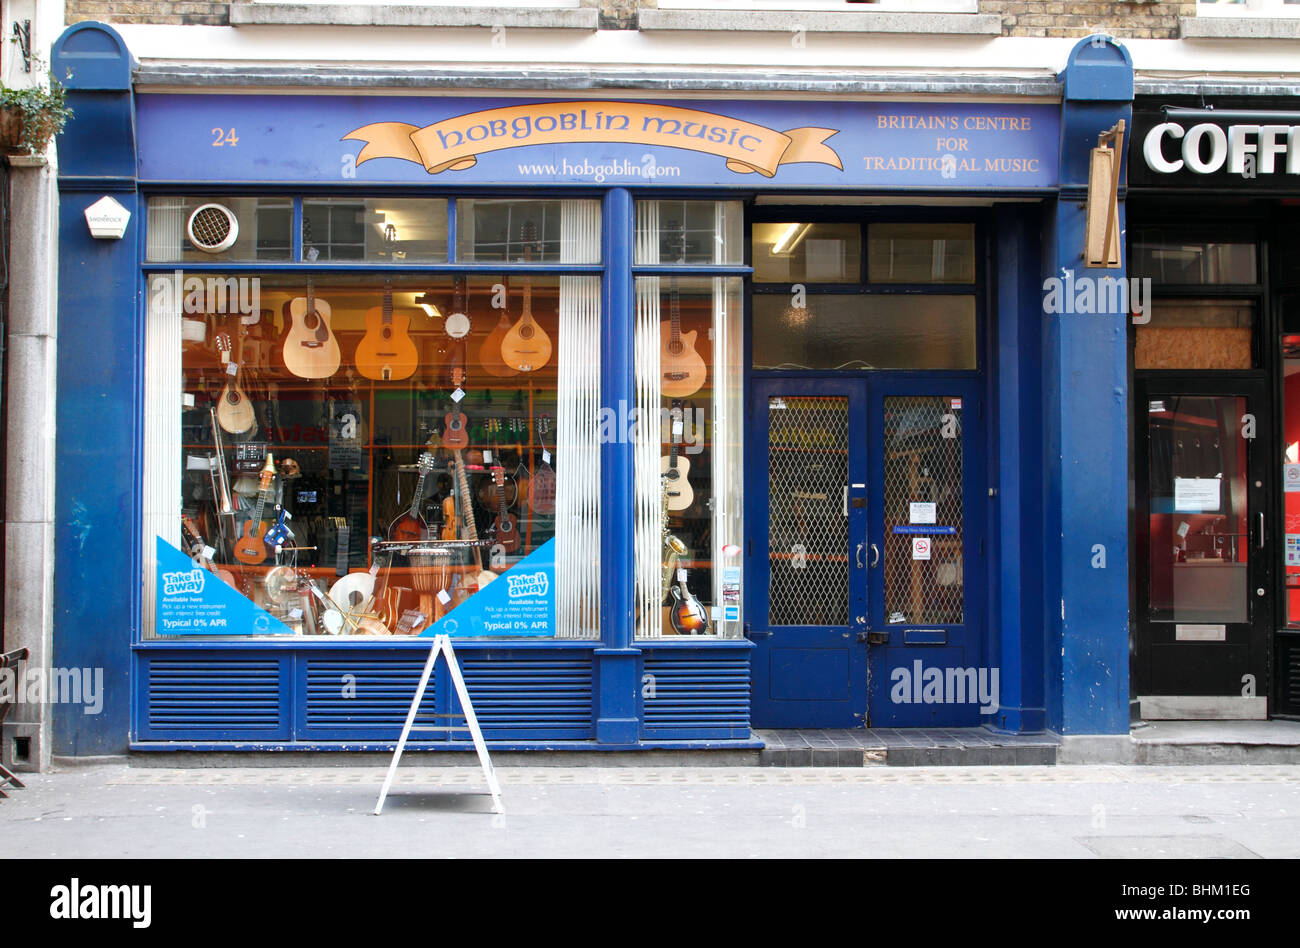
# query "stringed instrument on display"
(250, 547)
(467, 527)
(412, 525)
(197, 549)
(310, 349)
(506, 527)
(234, 408)
(674, 468)
(526, 347)
(386, 352)
(687, 615)
(489, 350)
(541, 489)
(682, 369)
(449, 517)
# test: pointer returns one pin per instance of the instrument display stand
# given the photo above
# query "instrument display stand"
(442, 646)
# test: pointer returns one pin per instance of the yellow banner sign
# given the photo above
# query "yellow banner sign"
(455, 143)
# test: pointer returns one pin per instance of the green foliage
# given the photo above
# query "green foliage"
(44, 109)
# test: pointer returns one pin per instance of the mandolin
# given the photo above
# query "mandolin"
(386, 352)
(541, 490)
(310, 349)
(682, 369)
(685, 613)
(526, 347)
(412, 525)
(674, 469)
(234, 409)
(251, 546)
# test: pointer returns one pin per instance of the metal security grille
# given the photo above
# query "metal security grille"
(808, 538)
(923, 510)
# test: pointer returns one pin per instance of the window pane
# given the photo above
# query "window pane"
(689, 232)
(261, 229)
(1196, 334)
(864, 331)
(382, 230)
(1198, 513)
(688, 455)
(807, 253)
(1177, 260)
(533, 231)
(923, 499)
(346, 421)
(921, 253)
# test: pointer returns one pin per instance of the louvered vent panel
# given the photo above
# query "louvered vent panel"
(1289, 669)
(230, 696)
(368, 694)
(697, 693)
(513, 695)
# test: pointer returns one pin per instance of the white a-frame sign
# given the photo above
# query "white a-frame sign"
(442, 646)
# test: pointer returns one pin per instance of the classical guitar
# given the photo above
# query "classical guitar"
(234, 409)
(682, 370)
(310, 349)
(526, 347)
(386, 352)
(250, 547)
(675, 469)
(412, 525)
(506, 528)
(541, 490)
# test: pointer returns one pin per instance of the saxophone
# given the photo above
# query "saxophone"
(673, 548)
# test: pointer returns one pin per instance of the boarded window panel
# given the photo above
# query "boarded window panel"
(1196, 334)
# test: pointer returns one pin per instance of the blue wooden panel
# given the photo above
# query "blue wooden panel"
(225, 696)
(695, 693)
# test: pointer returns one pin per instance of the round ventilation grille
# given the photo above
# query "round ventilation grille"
(212, 228)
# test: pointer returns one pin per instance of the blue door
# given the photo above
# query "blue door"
(807, 552)
(864, 557)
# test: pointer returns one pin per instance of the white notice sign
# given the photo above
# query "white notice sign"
(1196, 494)
(922, 512)
(920, 548)
(1291, 478)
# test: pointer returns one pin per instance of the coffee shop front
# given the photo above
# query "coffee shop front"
(682, 415)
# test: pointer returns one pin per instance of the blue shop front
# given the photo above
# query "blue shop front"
(682, 416)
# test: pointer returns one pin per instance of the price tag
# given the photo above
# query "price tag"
(232, 368)
(295, 613)
(312, 254)
(187, 400)
(209, 552)
(681, 575)
(677, 427)
(443, 597)
(546, 457)
(487, 456)
(457, 395)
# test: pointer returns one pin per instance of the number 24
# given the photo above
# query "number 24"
(222, 137)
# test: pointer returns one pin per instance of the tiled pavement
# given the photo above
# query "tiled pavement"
(911, 747)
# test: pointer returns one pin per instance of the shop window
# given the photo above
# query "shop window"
(1175, 260)
(454, 417)
(920, 253)
(689, 233)
(807, 252)
(1196, 334)
(864, 331)
(226, 228)
(488, 231)
(689, 428)
(377, 230)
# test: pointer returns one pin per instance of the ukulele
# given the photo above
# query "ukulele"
(674, 469)
(310, 349)
(541, 490)
(251, 547)
(506, 527)
(412, 525)
(526, 346)
(386, 352)
(234, 410)
(682, 370)
(487, 492)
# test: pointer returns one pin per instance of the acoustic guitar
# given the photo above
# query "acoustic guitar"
(506, 528)
(675, 469)
(682, 369)
(234, 409)
(489, 351)
(250, 547)
(386, 352)
(526, 347)
(310, 349)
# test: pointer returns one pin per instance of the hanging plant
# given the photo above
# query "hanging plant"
(30, 117)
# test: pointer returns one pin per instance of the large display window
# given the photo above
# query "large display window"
(365, 453)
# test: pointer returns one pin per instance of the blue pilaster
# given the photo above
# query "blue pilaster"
(1085, 447)
(96, 549)
(616, 662)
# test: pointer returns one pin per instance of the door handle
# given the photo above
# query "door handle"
(860, 548)
(875, 555)
(1261, 529)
